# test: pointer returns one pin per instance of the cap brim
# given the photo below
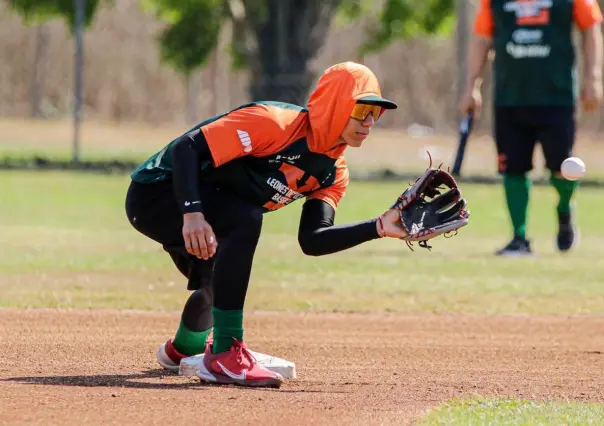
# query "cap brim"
(376, 100)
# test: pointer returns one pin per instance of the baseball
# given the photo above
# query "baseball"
(573, 168)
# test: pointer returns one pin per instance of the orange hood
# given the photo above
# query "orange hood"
(333, 100)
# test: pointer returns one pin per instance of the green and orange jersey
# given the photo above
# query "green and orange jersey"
(274, 153)
(264, 152)
(534, 53)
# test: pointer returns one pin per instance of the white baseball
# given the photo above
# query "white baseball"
(573, 168)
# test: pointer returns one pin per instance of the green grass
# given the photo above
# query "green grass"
(66, 243)
(18, 153)
(512, 412)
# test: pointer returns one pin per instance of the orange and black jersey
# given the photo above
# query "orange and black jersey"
(260, 151)
(585, 13)
(263, 151)
(535, 57)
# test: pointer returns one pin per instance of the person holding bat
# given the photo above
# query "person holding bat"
(535, 95)
(203, 197)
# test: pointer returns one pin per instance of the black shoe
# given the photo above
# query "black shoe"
(518, 247)
(567, 232)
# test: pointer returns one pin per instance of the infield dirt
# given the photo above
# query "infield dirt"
(93, 367)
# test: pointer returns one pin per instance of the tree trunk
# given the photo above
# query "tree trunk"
(192, 83)
(213, 83)
(36, 93)
(290, 36)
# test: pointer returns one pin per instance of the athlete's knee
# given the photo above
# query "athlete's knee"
(514, 165)
(248, 220)
(555, 164)
(131, 205)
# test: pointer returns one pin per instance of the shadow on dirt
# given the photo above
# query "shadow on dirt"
(150, 379)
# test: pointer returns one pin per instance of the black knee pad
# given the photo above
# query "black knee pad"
(197, 314)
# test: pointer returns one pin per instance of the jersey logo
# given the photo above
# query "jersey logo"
(529, 12)
(298, 182)
(245, 139)
(280, 158)
(528, 43)
(525, 36)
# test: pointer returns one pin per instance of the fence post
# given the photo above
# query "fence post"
(78, 71)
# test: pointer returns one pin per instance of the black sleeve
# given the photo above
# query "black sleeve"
(190, 151)
(318, 236)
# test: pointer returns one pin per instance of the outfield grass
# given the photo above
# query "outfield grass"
(394, 149)
(67, 243)
(512, 412)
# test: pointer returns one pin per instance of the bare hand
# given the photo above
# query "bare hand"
(591, 94)
(392, 227)
(199, 237)
(471, 100)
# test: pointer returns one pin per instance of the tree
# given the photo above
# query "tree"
(277, 39)
(38, 79)
(37, 13)
(189, 37)
(403, 19)
(79, 15)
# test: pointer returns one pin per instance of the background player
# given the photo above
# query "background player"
(535, 94)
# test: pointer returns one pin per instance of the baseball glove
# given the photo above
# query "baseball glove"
(432, 206)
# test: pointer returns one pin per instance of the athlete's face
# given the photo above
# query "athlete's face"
(356, 131)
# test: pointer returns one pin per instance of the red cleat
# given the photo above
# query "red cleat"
(236, 366)
(168, 357)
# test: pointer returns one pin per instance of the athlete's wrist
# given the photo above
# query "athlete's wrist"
(192, 207)
(379, 226)
(194, 215)
(477, 84)
(473, 83)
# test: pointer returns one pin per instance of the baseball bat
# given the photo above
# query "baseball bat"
(465, 128)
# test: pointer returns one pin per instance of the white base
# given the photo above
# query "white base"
(189, 367)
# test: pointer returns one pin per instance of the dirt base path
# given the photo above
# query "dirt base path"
(99, 367)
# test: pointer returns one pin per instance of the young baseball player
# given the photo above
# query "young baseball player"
(204, 195)
(534, 95)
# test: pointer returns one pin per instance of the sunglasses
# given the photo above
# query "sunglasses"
(362, 111)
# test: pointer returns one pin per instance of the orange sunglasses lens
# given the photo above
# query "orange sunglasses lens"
(361, 111)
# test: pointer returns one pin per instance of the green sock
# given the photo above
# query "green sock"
(566, 189)
(189, 342)
(517, 188)
(227, 324)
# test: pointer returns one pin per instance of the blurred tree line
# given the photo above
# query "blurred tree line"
(275, 40)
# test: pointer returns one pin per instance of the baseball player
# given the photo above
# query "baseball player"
(535, 95)
(203, 197)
